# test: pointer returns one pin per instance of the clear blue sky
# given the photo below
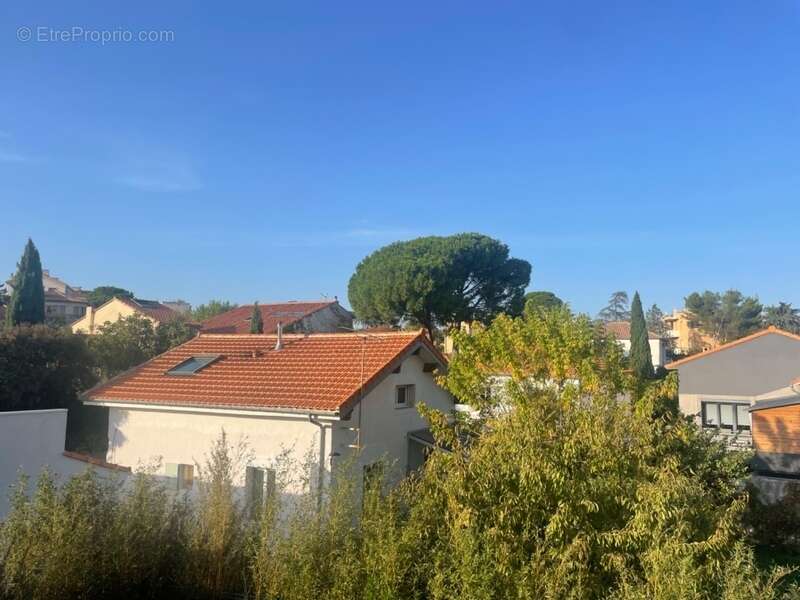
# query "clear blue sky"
(270, 146)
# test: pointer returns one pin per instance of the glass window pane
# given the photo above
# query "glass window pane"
(743, 416)
(192, 365)
(726, 415)
(710, 414)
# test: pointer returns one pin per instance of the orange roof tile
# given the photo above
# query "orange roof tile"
(745, 339)
(237, 320)
(318, 372)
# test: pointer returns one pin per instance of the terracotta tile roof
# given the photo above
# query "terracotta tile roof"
(745, 339)
(151, 308)
(319, 372)
(237, 320)
(622, 330)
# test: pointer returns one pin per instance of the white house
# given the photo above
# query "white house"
(622, 331)
(324, 396)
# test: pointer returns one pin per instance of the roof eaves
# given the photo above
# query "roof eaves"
(775, 403)
(154, 405)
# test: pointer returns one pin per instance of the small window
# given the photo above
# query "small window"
(404, 396)
(192, 365)
(259, 486)
(742, 417)
(730, 416)
(182, 473)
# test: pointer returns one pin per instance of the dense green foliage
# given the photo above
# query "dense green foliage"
(132, 340)
(784, 316)
(439, 281)
(256, 322)
(726, 316)
(211, 309)
(104, 293)
(42, 367)
(27, 299)
(640, 358)
(543, 300)
(617, 308)
(574, 482)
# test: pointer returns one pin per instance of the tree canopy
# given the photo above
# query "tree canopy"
(640, 357)
(543, 300)
(727, 316)
(42, 367)
(104, 293)
(256, 322)
(617, 308)
(784, 316)
(27, 299)
(543, 502)
(438, 281)
(655, 320)
(132, 340)
(211, 309)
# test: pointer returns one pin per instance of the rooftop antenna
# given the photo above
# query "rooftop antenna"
(357, 428)
(279, 341)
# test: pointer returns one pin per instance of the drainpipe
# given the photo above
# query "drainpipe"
(312, 418)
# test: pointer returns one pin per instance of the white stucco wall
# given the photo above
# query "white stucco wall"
(141, 435)
(658, 350)
(385, 427)
(30, 441)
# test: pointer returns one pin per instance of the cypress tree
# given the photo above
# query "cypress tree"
(640, 357)
(27, 299)
(256, 323)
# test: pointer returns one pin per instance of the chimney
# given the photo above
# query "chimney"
(279, 341)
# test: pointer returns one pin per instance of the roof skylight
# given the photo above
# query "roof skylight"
(192, 365)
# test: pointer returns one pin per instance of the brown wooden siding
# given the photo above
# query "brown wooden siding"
(777, 429)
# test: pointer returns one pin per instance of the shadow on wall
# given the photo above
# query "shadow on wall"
(87, 430)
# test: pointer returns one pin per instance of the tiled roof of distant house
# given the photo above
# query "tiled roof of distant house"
(237, 320)
(151, 308)
(322, 372)
(56, 296)
(622, 330)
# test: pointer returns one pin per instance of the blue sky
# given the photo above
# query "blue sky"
(268, 147)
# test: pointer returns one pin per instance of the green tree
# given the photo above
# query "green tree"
(641, 360)
(543, 300)
(173, 333)
(132, 340)
(126, 343)
(104, 293)
(256, 322)
(42, 367)
(726, 316)
(655, 321)
(27, 299)
(617, 309)
(211, 309)
(545, 502)
(439, 281)
(783, 316)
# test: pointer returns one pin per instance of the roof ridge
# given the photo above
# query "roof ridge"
(288, 302)
(742, 340)
(410, 333)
